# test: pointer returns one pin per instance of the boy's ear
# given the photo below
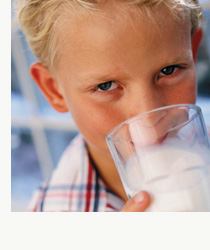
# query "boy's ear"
(195, 41)
(48, 86)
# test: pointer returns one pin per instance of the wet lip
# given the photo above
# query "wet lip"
(160, 140)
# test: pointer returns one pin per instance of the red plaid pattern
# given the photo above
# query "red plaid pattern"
(75, 186)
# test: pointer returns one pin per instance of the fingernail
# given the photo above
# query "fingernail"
(139, 197)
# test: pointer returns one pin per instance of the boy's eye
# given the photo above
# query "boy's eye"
(169, 70)
(106, 86)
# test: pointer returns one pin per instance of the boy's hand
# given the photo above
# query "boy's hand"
(138, 203)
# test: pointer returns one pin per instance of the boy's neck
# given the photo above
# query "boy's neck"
(108, 172)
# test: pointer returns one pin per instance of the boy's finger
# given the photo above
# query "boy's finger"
(138, 203)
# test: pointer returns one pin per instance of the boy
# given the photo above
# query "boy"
(104, 62)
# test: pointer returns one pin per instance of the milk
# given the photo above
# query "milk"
(194, 199)
(176, 177)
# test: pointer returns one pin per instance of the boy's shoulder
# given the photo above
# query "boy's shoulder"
(75, 185)
(72, 160)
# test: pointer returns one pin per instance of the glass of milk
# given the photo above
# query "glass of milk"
(166, 152)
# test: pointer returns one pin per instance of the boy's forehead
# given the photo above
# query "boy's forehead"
(117, 12)
(110, 21)
(113, 10)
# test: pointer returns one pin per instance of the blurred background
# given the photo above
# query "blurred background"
(39, 134)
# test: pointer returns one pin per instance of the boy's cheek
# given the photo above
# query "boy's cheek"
(94, 115)
(183, 92)
(96, 124)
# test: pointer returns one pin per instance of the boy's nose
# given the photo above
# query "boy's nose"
(144, 100)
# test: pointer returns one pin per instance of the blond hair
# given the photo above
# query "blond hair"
(38, 17)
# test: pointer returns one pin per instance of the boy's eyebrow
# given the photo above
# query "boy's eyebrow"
(99, 77)
(90, 79)
(182, 57)
(186, 55)
(96, 77)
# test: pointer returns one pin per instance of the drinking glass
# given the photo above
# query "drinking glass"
(165, 152)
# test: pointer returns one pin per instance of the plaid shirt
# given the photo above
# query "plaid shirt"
(75, 185)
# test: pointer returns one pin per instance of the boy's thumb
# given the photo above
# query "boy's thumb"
(138, 203)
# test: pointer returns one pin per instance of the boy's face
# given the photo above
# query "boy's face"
(116, 65)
